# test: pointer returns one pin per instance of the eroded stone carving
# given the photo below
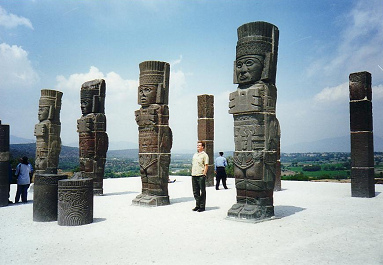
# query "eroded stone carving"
(4, 164)
(155, 135)
(256, 128)
(206, 131)
(93, 139)
(47, 132)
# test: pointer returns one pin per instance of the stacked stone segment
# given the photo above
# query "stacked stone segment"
(206, 131)
(4, 164)
(361, 130)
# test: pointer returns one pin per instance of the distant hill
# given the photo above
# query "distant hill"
(336, 144)
(19, 140)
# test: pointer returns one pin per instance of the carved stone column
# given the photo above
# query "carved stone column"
(47, 132)
(4, 164)
(45, 197)
(75, 202)
(362, 141)
(155, 135)
(93, 139)
(256, 128)
(206, 131)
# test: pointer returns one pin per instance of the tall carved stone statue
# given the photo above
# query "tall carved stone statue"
(256, 128)
(47, 132)
(155, 135)
(93, 139)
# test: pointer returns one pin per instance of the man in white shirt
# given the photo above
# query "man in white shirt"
(199, 170)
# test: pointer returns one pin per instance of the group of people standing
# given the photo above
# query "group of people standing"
(200, 165)
(24, 171)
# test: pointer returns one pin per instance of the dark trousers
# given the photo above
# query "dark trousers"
(23, 191)
(199, 191)
(221, 174)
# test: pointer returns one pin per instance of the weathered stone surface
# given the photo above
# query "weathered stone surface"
(45, 197)
(360, 86)
(206, 131)
(4, 164)
(93, 139)
(362, 141)
(205, 106)
(362, 182)
(361, 116)
(47, 132)
(75, 202)
(155, 135)
(256, 128)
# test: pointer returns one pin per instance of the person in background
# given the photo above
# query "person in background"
(220, 172)
(199, 170)
(23, 171)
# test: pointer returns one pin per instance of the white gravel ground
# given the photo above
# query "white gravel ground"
(317, 223)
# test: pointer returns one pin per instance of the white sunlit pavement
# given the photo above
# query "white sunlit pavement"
(317, 223)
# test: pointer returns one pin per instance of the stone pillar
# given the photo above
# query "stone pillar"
(278, 181)
(362, 141)
(93, 139)
(206, 131)
(155, 136)
(45, 197)
(4, 164)
(75, 202)
(47, 132)
(256, 128)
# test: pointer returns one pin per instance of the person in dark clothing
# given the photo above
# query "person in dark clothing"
(220, 172)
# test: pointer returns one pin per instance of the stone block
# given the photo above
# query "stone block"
(361, 116)
(206, 129)
(45, 197)
(362, 149)
(205, 106)
(360, 86)
(75, 202)
(362, 182)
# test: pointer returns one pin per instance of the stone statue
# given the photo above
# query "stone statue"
(256, 128)
(155, 135)
(93, 139)
(47, 132)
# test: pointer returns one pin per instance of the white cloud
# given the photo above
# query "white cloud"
(16, 70)
(377, 93)
(333, 94)
(120, 103)
(9, 20)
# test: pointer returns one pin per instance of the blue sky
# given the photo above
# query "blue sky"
(61, 44)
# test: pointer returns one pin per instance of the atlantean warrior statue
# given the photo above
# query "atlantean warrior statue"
(155, 135)
(47, 132)
(256, 128)
(93, 139)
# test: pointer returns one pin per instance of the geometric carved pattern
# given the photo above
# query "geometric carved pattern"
(75, 202)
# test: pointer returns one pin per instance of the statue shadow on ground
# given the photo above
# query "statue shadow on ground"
(119, 193)
(182, 199)
(282, 211)
(98, 220)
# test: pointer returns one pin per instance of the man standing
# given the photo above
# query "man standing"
(220, 172)
(199, 170)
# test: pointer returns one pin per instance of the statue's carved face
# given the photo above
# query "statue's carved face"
(147, 94)
(249, 69)
(86, 106)
(43, 113)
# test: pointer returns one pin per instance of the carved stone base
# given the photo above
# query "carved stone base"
(250, 211)
(98, 192)
(4, 189)
(151, 200)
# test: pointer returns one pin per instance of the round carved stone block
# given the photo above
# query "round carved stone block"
(45, 197)
(75, 202)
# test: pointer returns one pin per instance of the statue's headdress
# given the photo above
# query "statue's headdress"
(52, 99)
(156, 73)
(95, 91)
(259, 38)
